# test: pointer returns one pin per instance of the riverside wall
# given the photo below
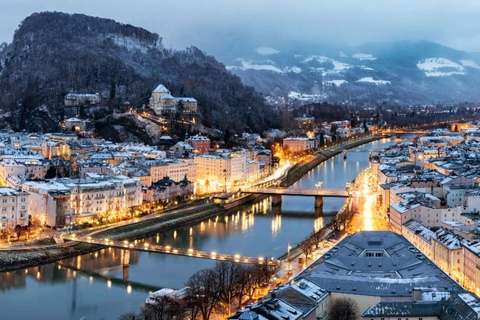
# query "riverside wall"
(22, 257)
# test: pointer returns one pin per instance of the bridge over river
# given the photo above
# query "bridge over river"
(144, 246)
(319, 194)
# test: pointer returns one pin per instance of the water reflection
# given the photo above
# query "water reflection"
(276, 225)
(97, 286)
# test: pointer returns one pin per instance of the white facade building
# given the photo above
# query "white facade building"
(63, 201)
(298, 144)
(222, 170)
(14, 208)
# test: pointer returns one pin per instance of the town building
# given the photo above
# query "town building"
(168, 191)
(76, 99)
(162, 102)
(199, 143)
(298, 144)
(377, 266)
(14, 208)
(221, 171)
(60, 202)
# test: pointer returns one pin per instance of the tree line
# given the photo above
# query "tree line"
(210, 291)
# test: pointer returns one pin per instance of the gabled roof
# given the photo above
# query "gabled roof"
(168, 97)
(161, 88)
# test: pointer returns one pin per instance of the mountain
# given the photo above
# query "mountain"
(397, 72)
(53, 54)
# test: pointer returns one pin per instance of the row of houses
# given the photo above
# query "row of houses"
(430, 192)
(40, 165)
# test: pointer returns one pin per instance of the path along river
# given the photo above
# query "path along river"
(96, 286)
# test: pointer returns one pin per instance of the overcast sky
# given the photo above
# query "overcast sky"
(210, 23)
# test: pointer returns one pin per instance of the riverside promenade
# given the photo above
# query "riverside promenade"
(31, 254)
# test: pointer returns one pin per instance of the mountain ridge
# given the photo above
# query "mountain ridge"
(416, 72)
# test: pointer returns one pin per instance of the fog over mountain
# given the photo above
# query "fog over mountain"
(290, 54)
(402, 72)
(220, 27)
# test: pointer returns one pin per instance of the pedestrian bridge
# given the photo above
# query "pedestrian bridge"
(144, 246)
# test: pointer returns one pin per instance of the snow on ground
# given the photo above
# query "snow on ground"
(264, 51)
(293, 69)
(343, 55)
(371, 80)
(250, 65)
(433, 67)
(304, 97)
(364, 56)
(335, 82)
(131, 43)
(469, 63)
(338, 66)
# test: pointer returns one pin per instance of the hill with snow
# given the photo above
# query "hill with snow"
(399, 72)
(54, 54)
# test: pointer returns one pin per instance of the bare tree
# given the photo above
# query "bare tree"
(202, 293)
(164, 308)
(230, 277)
(316, 237)
(262, 273)
(342, 309)
(307, 246)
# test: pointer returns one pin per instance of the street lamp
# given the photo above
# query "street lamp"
(225, 185)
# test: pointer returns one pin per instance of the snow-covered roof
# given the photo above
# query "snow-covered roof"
(161, 89)
(168, 97)
(186, 99)
(5, 192)
(396, 270)
(449, 240)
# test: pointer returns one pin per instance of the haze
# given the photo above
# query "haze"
(217, 26)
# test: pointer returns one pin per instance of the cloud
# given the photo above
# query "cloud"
(211, 23)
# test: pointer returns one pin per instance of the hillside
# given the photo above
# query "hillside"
(53, 54)
(396, 73)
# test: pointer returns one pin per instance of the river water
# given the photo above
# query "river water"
(96, 286)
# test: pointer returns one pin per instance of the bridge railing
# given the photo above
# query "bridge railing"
(300, 191)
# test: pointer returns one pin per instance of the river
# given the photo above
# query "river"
(96, 286)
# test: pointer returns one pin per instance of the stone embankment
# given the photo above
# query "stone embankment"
(17, 257)
(311, 161)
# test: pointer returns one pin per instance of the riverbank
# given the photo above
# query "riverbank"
(311, 161)
(17, 257)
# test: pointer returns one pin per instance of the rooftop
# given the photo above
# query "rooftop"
(376, 263)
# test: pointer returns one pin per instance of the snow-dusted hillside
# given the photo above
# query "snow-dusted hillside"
(401, 72)
(440, 67)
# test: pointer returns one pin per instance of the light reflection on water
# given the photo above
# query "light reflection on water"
(97, 286)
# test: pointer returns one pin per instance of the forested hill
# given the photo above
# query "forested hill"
(54, 53)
